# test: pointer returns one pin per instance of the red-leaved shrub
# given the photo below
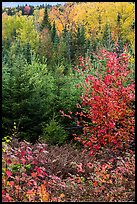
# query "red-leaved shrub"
(107, 104)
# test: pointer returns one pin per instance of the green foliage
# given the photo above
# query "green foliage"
(54, 133)
(27, 53)
(106, 38)
(80, 46)
(19, 28)
(38, 77)
(54, 36)
(45, 23)
(68, 93)
(6, 139)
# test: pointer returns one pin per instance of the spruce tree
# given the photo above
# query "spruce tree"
(27, 53)
(106, 38)
(64, 32)
(80, 42)
(54, 36)
(45, 23)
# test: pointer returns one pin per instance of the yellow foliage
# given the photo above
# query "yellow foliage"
(19, 27)
(43, 193)
(94, 16)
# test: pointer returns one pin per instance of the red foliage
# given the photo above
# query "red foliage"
(26, 9)
(106, 102)
(20, 173)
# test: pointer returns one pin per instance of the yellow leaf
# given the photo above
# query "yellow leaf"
(62, 195)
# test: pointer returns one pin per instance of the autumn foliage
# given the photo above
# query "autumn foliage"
(42, 173)
(23, 178)
(107, 103)
(77, 61)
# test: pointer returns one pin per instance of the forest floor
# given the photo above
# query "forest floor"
(74, 176)
(78, 177)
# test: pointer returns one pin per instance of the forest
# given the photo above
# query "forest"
(68, 102)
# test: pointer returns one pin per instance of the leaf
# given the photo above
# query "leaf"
(91, 153)
(9, 161)
(111, 160)
(110, 181)
(3, 192)
(44, 195)
(89, 165)
(11, 183)
(28, 166)
(34, 174)
(95, 183)
(22, 153)
(97, 147)
(62, 195)
(9, 173)
(23, 161)
(79, 168)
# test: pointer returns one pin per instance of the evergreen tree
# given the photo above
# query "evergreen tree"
(9, 12)
(54, 36)
(16, 90)
(64, 32)
(22, 9)
(81, 40)
(45, 23)
(106, 37)
(27, 53)
(79, 43)
(31, 10)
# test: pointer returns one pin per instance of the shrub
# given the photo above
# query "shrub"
(107, 105)
(23, 174)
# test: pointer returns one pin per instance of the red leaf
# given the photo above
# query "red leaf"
(111, 160)
(79, 169)
(9, 161)
(95, 183)
(97, 147)
(11, 183)
(80, 188)
(89, 144)
(111, 124)
(22, 153)
(33, 174)
(23, 161)
(83, 103)
(89, 165)
(29, 183)
(3, 192)
(39, 170)
(9, 173)
(91, 153)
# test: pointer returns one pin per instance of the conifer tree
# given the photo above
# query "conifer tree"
(27, 53)
(54, 36)
(79, 42)
(45, 22)
(106, 38)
